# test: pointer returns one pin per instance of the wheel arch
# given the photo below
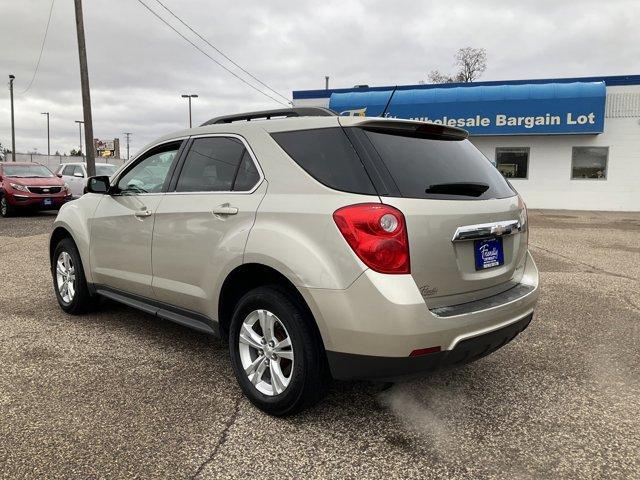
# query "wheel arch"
(248, 276)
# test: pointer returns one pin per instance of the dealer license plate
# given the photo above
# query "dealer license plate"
(488, 253)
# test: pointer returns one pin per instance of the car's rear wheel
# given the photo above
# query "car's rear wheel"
(69, 281)
(6, 210)
(276, 355)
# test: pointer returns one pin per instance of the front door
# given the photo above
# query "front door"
(122, 225)
(202, 226)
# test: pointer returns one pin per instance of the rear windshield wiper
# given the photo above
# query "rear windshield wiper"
(460, 188)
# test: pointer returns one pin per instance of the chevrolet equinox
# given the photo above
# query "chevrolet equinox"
(318, 246)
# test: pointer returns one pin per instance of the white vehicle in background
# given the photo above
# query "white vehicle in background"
(75, 175)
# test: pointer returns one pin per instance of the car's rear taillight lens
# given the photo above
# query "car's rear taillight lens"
(377, 233)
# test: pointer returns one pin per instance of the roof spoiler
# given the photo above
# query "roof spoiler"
(269, 114)
(415, 129)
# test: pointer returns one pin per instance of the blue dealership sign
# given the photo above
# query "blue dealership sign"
(528, 109)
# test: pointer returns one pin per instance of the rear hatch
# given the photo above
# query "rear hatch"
(444, 186)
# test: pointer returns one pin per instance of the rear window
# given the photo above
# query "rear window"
(328, 156)
(438, 168)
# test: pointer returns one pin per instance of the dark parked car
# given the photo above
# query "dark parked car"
(30, 186)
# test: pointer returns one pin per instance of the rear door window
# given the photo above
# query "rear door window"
(438, 168)
(328, 156)
(217, 164)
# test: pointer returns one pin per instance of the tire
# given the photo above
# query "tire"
(308, 376)
(80, 300)
(6, 210)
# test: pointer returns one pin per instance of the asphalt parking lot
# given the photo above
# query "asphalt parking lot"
(119, 394)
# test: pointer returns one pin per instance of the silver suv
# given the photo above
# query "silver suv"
(318, 246)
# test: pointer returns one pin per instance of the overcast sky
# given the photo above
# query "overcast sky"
(138, 67)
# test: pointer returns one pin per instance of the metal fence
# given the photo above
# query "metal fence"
(53, 161)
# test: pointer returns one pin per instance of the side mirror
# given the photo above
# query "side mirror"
(59, 175)
(98, 185)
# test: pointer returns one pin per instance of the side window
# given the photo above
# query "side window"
(68, 170)
(149, 174)
(247, 176)
(212, 165)
(78, 170)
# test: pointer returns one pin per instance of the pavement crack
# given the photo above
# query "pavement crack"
(222, 439)
(593, 268)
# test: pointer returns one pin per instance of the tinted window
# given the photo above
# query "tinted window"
(248, 175)
(435, 168)
(328, 156)
(68, 170)
(78, 171)
(211, 165)
(148, 175)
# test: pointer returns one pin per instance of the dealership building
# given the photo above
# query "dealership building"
(564, 143)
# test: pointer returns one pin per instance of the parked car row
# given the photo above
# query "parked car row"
(32, 186)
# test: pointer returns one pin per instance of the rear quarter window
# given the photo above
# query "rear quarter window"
(328, 156)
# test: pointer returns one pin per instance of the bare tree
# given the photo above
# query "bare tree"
(472, 62)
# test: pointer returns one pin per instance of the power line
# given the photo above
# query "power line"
(209, 56)
(220, 51)
(44, 39)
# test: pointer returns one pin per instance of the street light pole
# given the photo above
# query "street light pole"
(190, 96)
(13, 128)
(127, 134)
(80, 122)
(86, 97)
(48, 137)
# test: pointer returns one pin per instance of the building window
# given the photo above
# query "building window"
(589, 163)
(513, 162)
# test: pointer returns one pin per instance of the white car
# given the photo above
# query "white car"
(75, 175)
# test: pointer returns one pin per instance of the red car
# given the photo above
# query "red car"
(30, 185)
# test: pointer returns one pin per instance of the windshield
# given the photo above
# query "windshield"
(108, 170)
(27, 171)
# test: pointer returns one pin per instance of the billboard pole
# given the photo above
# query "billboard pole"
(86, 97)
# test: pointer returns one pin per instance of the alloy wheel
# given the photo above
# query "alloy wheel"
(66, 277)
(266, 352)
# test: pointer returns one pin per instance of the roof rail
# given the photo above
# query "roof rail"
(268, 114)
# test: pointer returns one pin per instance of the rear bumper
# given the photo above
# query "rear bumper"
(346, 366)
(380, 319)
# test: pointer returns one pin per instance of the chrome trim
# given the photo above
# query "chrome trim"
(486, 230)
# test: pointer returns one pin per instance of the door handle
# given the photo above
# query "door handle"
(143, 213)
(225, 209)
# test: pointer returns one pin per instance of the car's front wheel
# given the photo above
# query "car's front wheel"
(69, 281)
(6, 210)
(276, 355)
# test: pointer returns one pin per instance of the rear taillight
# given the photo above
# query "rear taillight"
(377, 233)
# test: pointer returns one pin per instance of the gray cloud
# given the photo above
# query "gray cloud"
(139, 67)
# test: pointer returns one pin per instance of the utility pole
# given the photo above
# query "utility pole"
(80, 122)
(127, 134)
(326, 82)
(13, 128)
(86, 97)
(190, 96)
(48, 137)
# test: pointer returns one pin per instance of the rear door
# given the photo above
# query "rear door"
(446, 188)
(122, 225)
(203, 222)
